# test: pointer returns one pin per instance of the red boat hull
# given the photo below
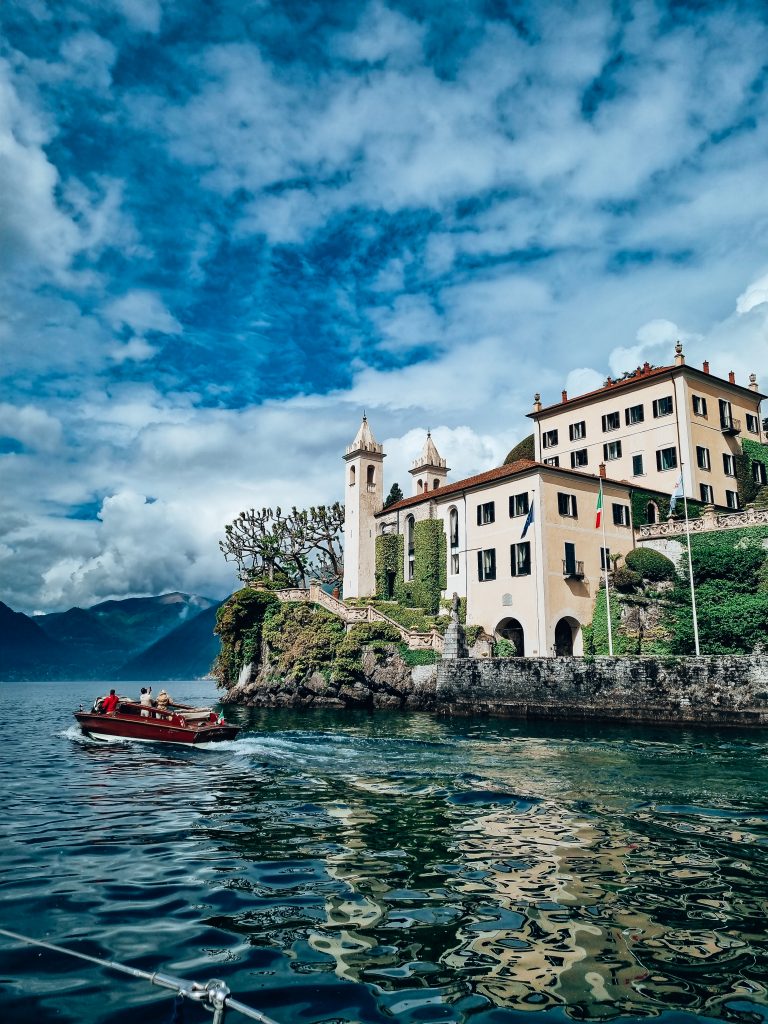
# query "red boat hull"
(157, 730)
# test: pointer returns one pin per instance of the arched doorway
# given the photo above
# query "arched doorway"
(651, 513)
(566, 637)
(512, 630)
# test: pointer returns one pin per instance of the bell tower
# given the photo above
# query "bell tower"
(364, 497)
(430, 470)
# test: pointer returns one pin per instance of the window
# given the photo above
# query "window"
(549, 439)
(520, 559)
(612, 450)
(409, 524)
(570, 566)
(486, 564)
(732, 499)
(579, 458)
(455, 565)
(727, 421)
(553, 461)
(351, 476)
(620, 515)
(637, 465)
(566, 505)
(486, 513)
(707, 494)
(453, 528)
(518, 504)
(729, 465)
(577, 431)
(666, 458)
(634, 414)
(699, 405)
(759, 473)
(662, 406)
(605, 558)
(702, 457)
(753, 424)
(371, 478)
(611, 421)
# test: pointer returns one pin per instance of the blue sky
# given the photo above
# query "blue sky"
(228, 227)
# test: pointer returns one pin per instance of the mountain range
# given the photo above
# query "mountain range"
(166, 637)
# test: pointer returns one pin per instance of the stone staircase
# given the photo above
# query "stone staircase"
(432, 641)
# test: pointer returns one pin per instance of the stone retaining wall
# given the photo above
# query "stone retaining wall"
(706, 690)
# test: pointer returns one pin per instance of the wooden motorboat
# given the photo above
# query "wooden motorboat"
(134, 721)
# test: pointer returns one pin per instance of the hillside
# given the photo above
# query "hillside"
(187, 652)
(98, 642)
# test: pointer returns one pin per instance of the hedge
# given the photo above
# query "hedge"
(650, 564)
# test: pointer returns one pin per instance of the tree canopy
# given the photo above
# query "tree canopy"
(288, 548)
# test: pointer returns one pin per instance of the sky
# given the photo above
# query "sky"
(227, 227)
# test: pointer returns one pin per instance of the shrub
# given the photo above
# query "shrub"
(504, 648)
(412, 658)
(650, 564)
(626, 580)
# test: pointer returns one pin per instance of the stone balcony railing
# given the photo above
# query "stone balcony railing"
(708, 521)
(432, 641)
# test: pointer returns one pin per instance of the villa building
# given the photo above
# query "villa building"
(520, 542)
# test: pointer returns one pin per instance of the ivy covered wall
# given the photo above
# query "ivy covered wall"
(752, 451)
(390, 549)
(640, 501)
(429, 568)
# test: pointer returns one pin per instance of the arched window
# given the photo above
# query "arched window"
(371, 478)
(351, 476)
(419, 486)
(410, 547)
(652, 512)
(435, 484)
(453, 539)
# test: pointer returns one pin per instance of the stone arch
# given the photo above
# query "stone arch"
(512, 629)
(568, 638)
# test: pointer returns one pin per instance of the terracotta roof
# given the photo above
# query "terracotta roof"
(639, 376)
(490, 476)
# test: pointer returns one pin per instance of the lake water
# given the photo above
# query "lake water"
(346, 867)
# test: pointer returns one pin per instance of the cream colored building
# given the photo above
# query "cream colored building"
(537, 586)
(653, 423)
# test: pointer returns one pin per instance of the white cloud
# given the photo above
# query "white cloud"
(32, 426)
(142, 311)
(753, 295)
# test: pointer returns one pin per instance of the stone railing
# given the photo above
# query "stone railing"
(709, 520)
(432, 641)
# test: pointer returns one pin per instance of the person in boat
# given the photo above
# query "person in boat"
(163, 700)
(145, 700)
(109, 703)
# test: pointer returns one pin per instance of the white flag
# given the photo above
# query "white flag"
(677, 493)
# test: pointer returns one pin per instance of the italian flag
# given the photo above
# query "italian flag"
(599, 509)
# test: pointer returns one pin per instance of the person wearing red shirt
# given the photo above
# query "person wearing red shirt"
(109, 703)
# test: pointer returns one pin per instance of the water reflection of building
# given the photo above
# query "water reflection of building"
(551, 909)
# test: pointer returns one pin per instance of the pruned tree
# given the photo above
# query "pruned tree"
(292, 547)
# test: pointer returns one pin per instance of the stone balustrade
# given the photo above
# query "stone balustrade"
(432, 641)
(709, 520)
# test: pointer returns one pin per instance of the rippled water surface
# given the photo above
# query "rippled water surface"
(345, 867)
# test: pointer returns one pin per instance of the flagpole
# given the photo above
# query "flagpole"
(690, 565)
(605, 565)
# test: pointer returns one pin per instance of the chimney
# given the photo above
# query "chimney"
(537, 402)
(565, 396)
(731, 377)
(646, 367)
(679, 357)
(706, 366)
(753, 382)
(601, 470)
(608, 382)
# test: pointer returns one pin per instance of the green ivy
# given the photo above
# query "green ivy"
(596, 633)
(639, 501)
(447, 604)
(429, 569)
(389, 558)
(412, 658)
(239, 622)
(752, 451)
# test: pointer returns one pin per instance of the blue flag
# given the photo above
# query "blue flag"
(528, 521)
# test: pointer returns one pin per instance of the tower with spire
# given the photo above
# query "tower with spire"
(364, 497)
(430, 470)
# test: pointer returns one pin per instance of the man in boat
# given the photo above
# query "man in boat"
(146, 701)
(109, 703)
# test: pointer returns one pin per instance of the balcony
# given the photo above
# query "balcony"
(573, 570)
(730, 425)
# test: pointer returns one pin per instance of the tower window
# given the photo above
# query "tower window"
(351, 476)
(371, 478)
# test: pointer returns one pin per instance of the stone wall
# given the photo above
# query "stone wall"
(707, 690)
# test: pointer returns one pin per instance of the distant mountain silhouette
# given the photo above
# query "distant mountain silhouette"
(187, 652)
(26, 651)
(99, 642)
